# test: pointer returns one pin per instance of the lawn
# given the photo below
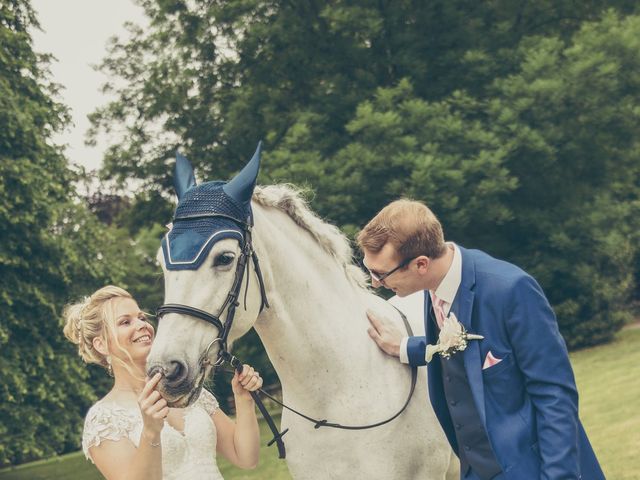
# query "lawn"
(609, 386)
(607, 378)
(74, 466)
(270, 466)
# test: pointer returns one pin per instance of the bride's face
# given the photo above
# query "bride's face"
(133, 333)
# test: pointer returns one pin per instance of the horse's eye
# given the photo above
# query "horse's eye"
(223, 259)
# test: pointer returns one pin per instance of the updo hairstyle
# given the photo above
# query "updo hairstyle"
(91, 318)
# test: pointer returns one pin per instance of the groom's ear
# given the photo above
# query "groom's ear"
(423, 262)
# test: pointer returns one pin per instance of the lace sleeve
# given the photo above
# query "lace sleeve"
(106, 423)
(208, 402)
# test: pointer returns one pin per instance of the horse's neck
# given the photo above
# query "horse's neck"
(317, 321)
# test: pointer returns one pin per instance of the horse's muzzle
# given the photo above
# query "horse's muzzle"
(176, 383)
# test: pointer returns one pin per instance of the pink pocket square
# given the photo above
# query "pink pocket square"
(490, 360)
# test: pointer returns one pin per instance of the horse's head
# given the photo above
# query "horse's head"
(208, 271)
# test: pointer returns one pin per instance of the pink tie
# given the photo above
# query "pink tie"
(438, 309)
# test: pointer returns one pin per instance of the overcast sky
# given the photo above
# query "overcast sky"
(76, 33)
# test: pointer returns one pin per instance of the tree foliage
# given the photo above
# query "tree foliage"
(213, 77)
(543, 172)
(515, 121)
(53, 250)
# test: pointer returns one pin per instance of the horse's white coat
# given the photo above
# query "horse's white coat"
(315, 334)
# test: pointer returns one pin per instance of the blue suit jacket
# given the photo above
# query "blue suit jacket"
(528, 402)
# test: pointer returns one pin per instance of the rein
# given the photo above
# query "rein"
(230, 304)
(326, 423)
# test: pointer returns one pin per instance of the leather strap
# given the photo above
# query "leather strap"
(325, 423)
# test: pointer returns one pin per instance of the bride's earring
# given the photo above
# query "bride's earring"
(109, 368)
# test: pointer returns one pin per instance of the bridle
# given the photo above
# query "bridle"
(230, 304)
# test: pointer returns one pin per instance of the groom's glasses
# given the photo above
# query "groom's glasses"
(381, 277)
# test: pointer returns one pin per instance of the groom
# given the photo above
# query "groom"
(508, 403)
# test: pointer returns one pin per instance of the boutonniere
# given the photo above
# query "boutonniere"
(453, 338)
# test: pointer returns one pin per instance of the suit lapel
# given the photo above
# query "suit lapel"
(463, 309)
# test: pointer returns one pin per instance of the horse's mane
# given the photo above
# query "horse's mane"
(288, 199)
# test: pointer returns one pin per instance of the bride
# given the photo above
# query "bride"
(131, 432)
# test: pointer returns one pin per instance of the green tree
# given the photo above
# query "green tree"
(544, 172)
(514, 120)
(52, 250)
(569, 120)
(214, 77)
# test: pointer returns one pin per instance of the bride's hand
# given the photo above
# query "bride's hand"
(153, 407)
(246, 381)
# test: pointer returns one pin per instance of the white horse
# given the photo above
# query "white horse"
(315, 333)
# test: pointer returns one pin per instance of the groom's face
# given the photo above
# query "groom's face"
(388, 269)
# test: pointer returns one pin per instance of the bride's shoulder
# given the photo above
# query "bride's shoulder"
(109, 420)
(112, 406)
(207, 401)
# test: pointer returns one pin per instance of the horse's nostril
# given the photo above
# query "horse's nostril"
(153, 370)
(176, 372)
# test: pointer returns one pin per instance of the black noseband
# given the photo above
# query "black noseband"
(191, 311)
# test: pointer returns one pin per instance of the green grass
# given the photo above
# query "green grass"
(607, 378)
(270, 466)
(65, 467)
(74, 466)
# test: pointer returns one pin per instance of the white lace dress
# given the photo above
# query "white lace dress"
(185, 455)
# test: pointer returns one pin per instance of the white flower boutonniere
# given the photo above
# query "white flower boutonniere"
(453, 338)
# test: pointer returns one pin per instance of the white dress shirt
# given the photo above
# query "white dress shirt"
(446, 291)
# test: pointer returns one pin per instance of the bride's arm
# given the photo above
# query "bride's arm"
(121, 459)
(239, 442)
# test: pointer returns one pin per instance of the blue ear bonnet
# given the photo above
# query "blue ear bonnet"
(205, 215)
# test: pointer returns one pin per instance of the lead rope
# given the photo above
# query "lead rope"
(277, 434)
(234, 362)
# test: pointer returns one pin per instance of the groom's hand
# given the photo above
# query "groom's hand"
(385, 334)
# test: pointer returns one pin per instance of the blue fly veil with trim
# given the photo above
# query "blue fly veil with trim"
(207, 213)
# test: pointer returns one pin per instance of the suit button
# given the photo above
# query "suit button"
(458, 426)
(448, 377)
(467, 448)
(453, 403)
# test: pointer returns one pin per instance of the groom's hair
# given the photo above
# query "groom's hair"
(410, 226)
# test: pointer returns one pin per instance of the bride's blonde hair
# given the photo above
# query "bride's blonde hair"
(91, 318)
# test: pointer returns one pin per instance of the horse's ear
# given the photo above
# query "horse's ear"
(184, 178)
(241, 186)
